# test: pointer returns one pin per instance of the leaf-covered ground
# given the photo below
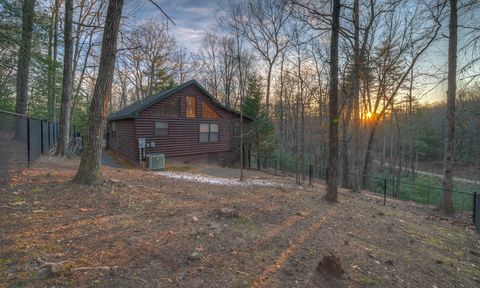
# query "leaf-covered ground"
(139, 229)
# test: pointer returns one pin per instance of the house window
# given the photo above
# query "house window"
(113, 130)
(191, 106)
(161, 129)
(208, 132)
(208, 112)
(171, 108)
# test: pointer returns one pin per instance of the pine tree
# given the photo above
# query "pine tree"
(24, 56)
(262, 128)
(164, 81)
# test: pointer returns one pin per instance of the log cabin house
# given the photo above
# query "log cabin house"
(185, 123)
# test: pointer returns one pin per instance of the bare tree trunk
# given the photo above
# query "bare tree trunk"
(257, 138)
(391, 130)
(302, 140)
(368, 156)
(397, 168)
(346, 176)
(297, 141)
(54, 66)
(281, 116)
(332, 195)
(241, 94)
(411, 151)
(269, 82)
(89, 171)
(52, 45)
(81, 78)
(356, 151)
(302, 117)
(65, 109)
(447, 205)
(24, 56)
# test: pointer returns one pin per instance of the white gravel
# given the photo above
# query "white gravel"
(217, 180)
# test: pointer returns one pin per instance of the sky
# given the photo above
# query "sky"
(193, 18)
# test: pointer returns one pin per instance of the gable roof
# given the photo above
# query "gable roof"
(133, 110)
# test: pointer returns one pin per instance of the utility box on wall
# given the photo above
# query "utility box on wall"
(141, 143)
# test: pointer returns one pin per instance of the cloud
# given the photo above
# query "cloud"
(193, 18)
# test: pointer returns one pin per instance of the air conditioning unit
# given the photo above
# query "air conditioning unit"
(155, 161)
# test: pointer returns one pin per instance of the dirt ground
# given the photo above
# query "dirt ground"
(142, 229)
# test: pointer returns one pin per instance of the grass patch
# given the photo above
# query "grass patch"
(19, 199)
(424, 189)
(366, 281)
(245, 225)
(178, 168)
(36, 190)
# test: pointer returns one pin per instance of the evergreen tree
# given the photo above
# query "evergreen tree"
(164, 81)
(262, 128)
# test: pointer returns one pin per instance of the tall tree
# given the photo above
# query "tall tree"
(65, 108)
(447, 205)
(262, 130)
(52, 61)
(24, 56)
(332, 194)
(262, 23)
(393, 63)
(356, 151)
(89, 171)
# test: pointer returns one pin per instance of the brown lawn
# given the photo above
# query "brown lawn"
(139, 229)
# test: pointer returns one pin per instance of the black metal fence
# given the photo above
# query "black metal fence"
(22, 140)
(387, 186)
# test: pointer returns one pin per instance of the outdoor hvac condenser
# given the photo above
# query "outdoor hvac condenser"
(155, 161)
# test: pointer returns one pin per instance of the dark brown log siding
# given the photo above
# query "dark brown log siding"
(124, 141)
(183, 132)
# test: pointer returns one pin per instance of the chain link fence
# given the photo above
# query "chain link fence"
(404, 188)
(22, 140)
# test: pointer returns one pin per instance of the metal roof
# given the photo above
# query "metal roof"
(132, 110)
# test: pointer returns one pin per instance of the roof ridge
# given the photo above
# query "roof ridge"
(132, 110)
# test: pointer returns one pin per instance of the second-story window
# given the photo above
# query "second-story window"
(191, 104)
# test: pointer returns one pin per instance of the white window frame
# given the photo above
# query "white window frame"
(210, 132)
(167, 128)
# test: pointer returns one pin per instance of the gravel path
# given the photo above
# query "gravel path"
(110, 161)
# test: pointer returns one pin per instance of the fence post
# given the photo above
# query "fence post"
(393, 188)
(41, 136)
(462, 201)
(326, 174)
(428, 197)
(474, 206)
(28, 142)
(48, 132)
(384, 191)
(310, 172)
(54, 134)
